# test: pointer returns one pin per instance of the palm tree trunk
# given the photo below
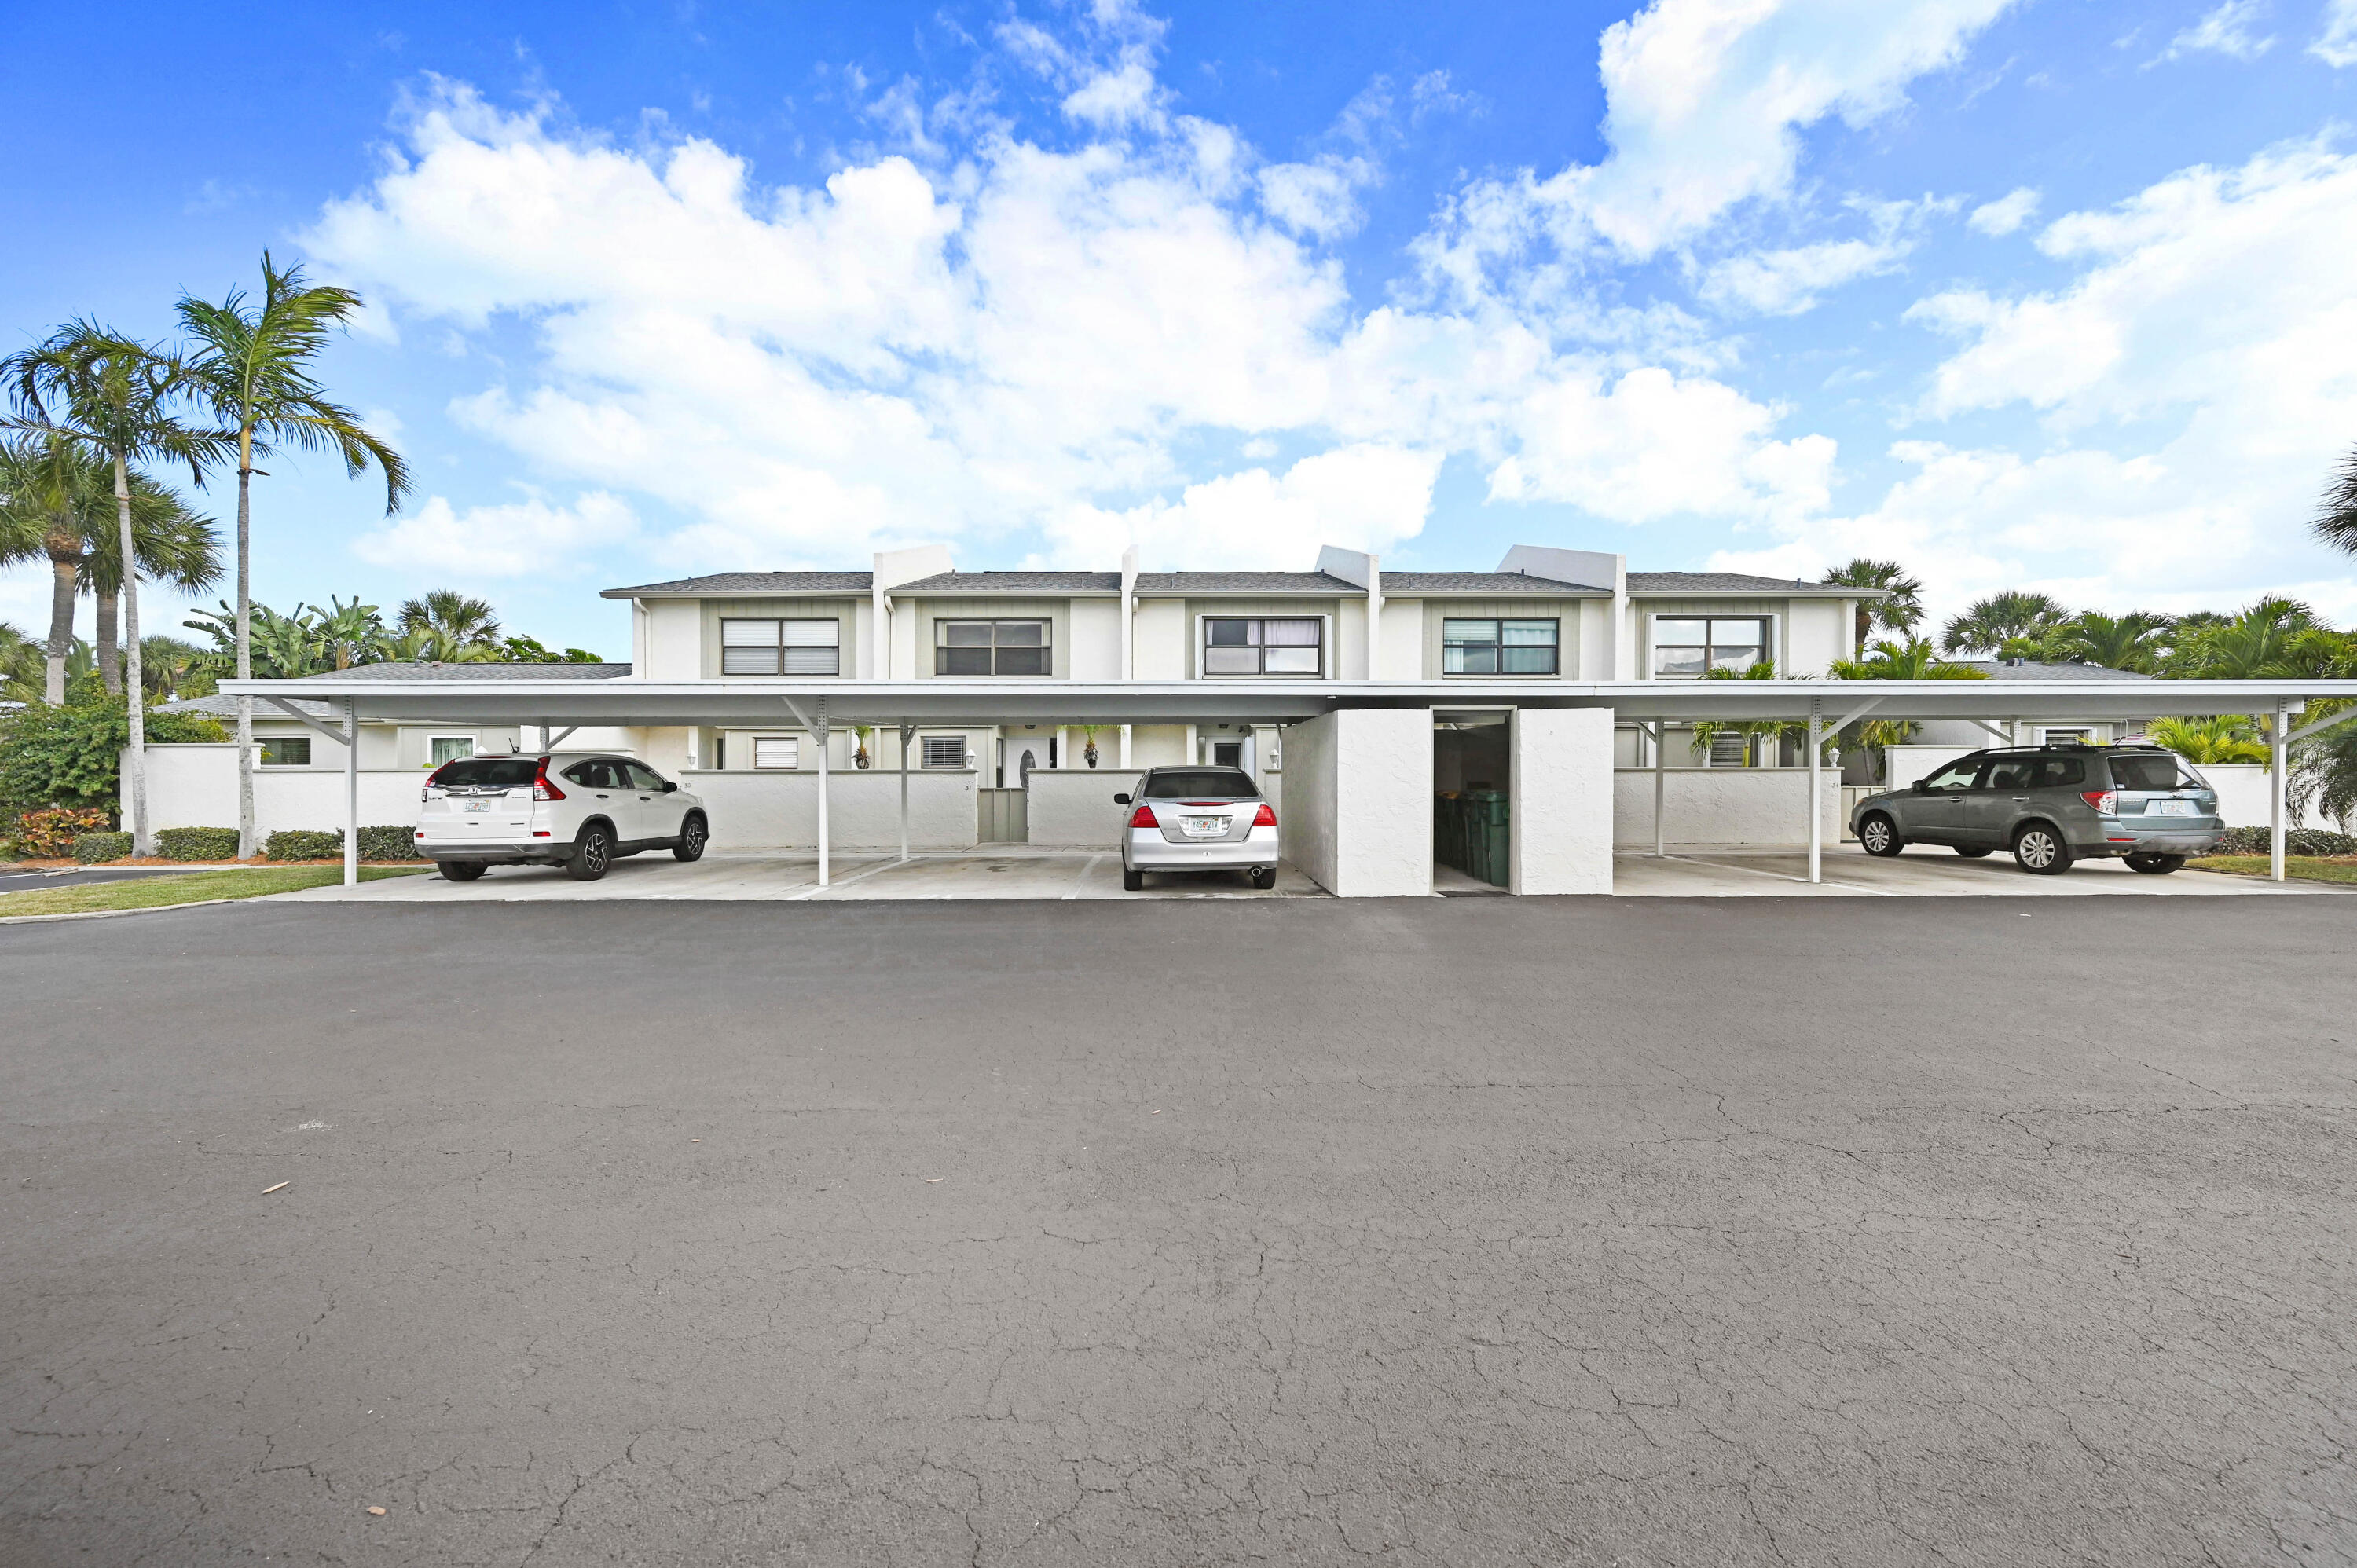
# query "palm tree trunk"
(62, 569)
(136, 760)
(245, 845)
(110, 650)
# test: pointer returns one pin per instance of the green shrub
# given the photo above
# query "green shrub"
(97, 849)
(49, 836)
(2297, 841)
(197, 844)
(68, 756)
(302, 844)
(386, 843)
(378, 844)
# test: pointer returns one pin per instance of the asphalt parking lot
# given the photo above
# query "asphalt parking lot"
(1851, 1232)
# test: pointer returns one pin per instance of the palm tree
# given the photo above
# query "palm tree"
(2335, 522)
(2266, 642)
(1990, 623)
(352, 632)
(1899, 612)
(120, 399)
(2134, 641)
(176, 546)
(255, 369)
(20, 665)
(2221, 737)
(426, 644)
(467, 622)
(166, 664)
(1913, 659)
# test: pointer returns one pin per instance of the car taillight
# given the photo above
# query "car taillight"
(1265, 817)
(1143, 817)
(543, 787)
(2105, 801)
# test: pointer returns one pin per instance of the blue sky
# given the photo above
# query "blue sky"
(2045, 293)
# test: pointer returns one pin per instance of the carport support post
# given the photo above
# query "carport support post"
(1661, 744)
(2279, 748)
(351, 792)
(1816, 787)
(818, 733)
(907, 733)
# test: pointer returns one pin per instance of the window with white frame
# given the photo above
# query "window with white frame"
(1499, 646)
(943, 751)
(991, 647)
(1240, 645)
(2077, 735)
(777, 751)
(451, 748)
(284, 750)
(1730, 751)
(780, 647)
(1688, 648)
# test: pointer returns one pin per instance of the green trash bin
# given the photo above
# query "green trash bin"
(1483, 829)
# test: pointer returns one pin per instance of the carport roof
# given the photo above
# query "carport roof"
(536, 694)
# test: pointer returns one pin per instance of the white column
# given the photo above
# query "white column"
(1816, 786)
(1124, 745)
(351, 792)
(2279, 762)
(907, 733)
(821, 736)
(1194, 750)
(1660, 750)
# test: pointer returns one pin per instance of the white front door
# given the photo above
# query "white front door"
(1022, 755)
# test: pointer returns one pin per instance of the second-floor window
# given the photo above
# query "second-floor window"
(991, 647)
(1499, 646)
(1687, 647)
(1235, 645)
(780, 648)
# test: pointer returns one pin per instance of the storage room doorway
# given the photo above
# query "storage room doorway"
(1472, 814)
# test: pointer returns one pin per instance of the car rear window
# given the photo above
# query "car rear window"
(1171, 783)
(486, 773)
(2150, 772)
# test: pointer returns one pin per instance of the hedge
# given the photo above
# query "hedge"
(197, 844)
(2297, 841)
(50, 834)
(379, 843)
(97, 849)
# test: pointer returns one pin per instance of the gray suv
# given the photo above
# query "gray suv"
(2050, 806)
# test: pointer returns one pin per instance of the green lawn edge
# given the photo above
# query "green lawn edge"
(2306, 867)
(198, 887)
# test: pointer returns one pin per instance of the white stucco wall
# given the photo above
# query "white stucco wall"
(1357, 818)
(1561, 812)
(1816, 632)
(1096, 640)
(195, 786)
(1402, 642)
(1074, 810)
(1724, 806)
(767, 811)
(1159, 639)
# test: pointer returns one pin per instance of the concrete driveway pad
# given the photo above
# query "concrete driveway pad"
(1855, 1231)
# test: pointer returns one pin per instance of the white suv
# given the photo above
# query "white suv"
(572, 808)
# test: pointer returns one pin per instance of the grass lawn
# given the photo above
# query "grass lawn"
(159, 892)
(2306, 867)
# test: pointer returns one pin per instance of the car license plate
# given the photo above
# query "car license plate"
(2169, 808)
(1203, 827)
(474, 805)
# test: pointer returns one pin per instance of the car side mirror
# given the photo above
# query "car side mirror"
(1121, 799)
(669, 786)
(1921, 786)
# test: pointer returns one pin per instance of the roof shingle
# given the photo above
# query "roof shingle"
(722, 583)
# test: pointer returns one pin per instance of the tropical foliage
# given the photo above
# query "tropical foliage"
(1899, 612)
(450, 628)
(2222, 737)
(1990, 624)
(69, 755)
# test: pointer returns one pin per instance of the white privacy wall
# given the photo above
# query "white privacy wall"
(779, 810)
(1358, 801)
(1073, 809)
(1562, 807)
(195, 786)
(1723, 805)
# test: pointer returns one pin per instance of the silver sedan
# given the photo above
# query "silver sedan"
(1198, 819)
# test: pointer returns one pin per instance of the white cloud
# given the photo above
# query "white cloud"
(526, 538)
(1033, 336)
(2228, 30)
(2194, 378)
(2006, 213)
(1366, 497)
(2337, 45)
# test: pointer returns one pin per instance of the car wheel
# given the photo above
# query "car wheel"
(469, 870)
(593, 853)
(1971, 853)
(1131, 881)
(690, 840)
(2039, 850)
(2156, 864)
(1879, 835)
(1265, 878)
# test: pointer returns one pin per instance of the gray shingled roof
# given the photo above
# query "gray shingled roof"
(1741, 582)
(1015, 582)
(1997, 670)
(475, 673)
(1168, 583)
(753, 582)
(1482, 582)
(221, 707)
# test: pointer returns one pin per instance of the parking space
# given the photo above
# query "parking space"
(786, 875)
(1723, 871)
